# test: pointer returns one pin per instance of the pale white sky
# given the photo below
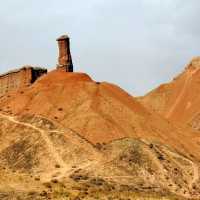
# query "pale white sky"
(136, 44)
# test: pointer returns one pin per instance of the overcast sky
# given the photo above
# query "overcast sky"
(137, 44)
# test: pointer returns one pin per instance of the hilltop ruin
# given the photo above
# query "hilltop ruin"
(20, 78)
(27, 75)
(65, 59)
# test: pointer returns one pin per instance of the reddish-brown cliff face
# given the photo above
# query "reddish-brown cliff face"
(20, 78)
(99, 112)
(64, 59)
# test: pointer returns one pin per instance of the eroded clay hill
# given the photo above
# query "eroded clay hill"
(69, 135)
(179, 100)
(98, 112)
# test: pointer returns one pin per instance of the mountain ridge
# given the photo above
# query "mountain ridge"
(178, 100)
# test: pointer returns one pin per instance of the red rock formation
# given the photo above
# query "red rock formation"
(16, 79)
(100, 113)
(27, 75)
(65, 59)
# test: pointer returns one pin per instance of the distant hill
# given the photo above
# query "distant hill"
(179, 100)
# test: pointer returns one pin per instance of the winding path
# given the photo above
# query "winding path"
(195, 168)
(44, 136)
(64, 168)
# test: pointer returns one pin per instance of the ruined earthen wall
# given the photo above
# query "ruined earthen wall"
(23, 77)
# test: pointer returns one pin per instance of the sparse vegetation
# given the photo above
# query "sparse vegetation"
(57, 166)
(60, 109)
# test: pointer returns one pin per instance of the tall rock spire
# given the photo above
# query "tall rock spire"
(64, 59)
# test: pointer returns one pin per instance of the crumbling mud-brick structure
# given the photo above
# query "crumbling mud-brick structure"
(27, 75)
(24, 77)
(65, 59)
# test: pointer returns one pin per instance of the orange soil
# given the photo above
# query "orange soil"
(99, 112)
(179, 100)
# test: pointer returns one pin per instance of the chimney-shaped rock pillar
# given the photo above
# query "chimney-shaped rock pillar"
(64, 59)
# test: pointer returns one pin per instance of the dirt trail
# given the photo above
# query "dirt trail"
(195, 167)
(65, 169)
(196, 174)
(43, 133)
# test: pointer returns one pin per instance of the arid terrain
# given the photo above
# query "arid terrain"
(69, 137)
(178, 100)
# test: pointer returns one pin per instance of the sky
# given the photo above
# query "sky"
(136, 44)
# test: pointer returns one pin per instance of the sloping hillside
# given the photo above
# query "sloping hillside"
(179, 100)
(40, 160)
(99, 112)
(69, 135)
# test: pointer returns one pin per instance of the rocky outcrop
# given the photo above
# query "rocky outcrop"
(27, 75)
(195, 63)
(65, 59)
(19, 78)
